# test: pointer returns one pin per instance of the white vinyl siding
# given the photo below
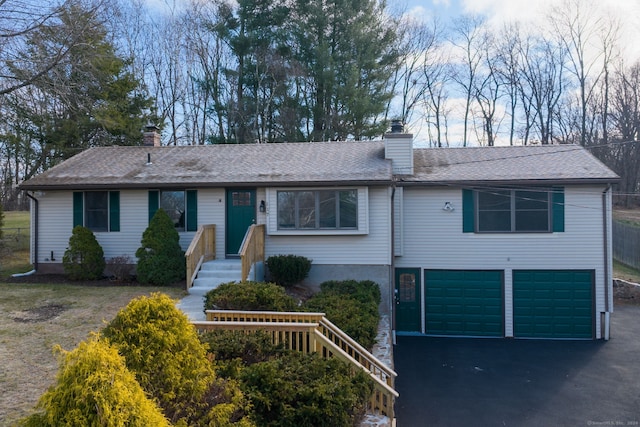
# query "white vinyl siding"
(56, 223)
(398, 222)
(399, 149)
(433, 239)
(370, 246)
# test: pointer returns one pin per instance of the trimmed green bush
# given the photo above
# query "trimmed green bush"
(254, 296)
(252, 347)
(365, 291)
(94, 388)
(287, 270)
(160, 258)
(84, 258)
(352, 306)
(306, 390)
(232, 350)
(163, 350)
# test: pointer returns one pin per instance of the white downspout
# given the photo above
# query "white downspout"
(607, 273)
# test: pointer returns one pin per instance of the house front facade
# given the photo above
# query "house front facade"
(500, 241)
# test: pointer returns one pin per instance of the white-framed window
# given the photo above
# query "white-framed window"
(317, 209)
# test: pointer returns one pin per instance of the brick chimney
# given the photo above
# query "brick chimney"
(151, 136)
(398, 147)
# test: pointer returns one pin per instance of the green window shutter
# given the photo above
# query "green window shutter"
(114, 211)
(192, 210)
(78, 208)
(558, 209)
(468, 211)
(154, 202)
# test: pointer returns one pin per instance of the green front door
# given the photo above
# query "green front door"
(464, 302)
(241, 213)
(553, 304)
(407, 299)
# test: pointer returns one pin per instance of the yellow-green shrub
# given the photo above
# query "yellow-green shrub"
(94, 388)
(163, 350)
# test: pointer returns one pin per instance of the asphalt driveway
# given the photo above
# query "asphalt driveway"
(504, 382)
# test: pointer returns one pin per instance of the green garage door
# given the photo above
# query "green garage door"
(464, 302)
(553, 304)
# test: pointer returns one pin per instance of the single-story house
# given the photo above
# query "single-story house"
(491, 241)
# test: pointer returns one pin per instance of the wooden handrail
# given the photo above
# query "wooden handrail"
(201, 249)
(252, 249)
(263, 316)
(359, 353)
(311, 332)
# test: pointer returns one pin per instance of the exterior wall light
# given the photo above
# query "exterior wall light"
(448, 207)
(263, 206)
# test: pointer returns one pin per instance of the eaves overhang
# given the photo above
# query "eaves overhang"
(199, 185)
(509, 182)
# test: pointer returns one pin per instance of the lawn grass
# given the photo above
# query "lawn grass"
(624, 272)
(16, 219)
(14, 246)
(36, 317)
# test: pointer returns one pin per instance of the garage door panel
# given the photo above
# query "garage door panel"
(553, 304)
(463, 302)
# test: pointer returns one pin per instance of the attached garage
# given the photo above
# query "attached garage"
(553, 304)
(464, 303)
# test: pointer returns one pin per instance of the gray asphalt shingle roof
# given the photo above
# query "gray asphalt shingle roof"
(225, 165)
(321, 163)
(566, 163)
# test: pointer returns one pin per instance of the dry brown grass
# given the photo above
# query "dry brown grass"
(34, 318)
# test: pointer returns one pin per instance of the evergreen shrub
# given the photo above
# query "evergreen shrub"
(287, 270)
(160, 257)
(254, 296)
(84, 258)
(163, 350)
(350, 305)
(94, 388)
(306, 390)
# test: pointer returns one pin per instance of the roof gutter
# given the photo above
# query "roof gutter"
(523, 182)
(35, 229)
(173, 185)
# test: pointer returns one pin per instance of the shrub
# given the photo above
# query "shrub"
(94, 387)
(84, 258)
(306, 390)
(120, 267)
(287, 270)
(160, 258)
(162, 348)
(352, 306)
(253, 296)
(250, 348)
(365, 291)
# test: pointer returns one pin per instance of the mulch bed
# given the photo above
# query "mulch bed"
(63, 280)
(626, 293)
